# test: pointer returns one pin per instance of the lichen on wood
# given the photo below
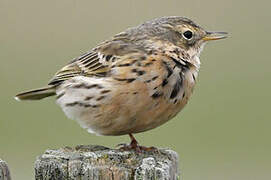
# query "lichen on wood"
(101, 163)
(4, 171)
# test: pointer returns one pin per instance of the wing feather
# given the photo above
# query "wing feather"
(96, 62)
(88, 64)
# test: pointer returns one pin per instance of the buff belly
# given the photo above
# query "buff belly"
(103, 109)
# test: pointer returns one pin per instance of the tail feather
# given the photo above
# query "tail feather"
(36, 94)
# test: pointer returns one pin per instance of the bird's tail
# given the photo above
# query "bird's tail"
(36, 94)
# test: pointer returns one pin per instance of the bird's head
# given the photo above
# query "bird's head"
(180, 31)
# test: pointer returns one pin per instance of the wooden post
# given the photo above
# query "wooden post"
(4, 171)
(100, 163)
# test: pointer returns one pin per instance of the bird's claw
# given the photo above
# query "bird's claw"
(136, 148)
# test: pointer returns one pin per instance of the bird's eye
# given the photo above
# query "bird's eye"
(188, 34)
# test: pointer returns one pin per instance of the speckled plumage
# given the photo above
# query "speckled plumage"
(136, 81)
(122, 102)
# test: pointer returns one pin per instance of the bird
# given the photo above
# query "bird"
(137, 80)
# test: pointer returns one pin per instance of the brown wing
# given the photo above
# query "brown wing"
(89, 64)
(97, 62)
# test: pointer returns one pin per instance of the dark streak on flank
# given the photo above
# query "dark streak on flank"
(183, 94)
(140, 73)
(105, 91)
(76, 103)
(119, 79)
(79, 85)
(124, 65)
(147, 64)
(60, 95)
(100, 98)
(88, 98)
(157, 95)
(128, 80)
(176, 88)
(155, 77)
(85, 86)
(72, 104)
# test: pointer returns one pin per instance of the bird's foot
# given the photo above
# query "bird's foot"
(135, 146)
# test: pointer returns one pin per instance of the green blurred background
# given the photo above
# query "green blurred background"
(223, 133)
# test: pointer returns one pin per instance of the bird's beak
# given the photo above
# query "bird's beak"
(214, 36)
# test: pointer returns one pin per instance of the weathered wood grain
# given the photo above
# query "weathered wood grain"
(101, 163)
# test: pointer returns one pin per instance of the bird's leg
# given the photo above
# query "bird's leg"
(135, 146)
